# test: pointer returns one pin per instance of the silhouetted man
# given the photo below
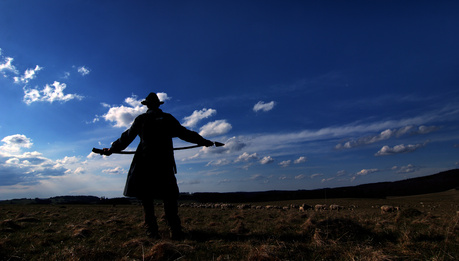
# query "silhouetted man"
(152, 172)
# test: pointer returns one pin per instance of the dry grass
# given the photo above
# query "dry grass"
(427, 231)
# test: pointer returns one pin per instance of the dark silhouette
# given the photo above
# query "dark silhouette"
(152, 172)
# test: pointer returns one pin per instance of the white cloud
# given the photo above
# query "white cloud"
(341, 173)
(219, 162)
(215, 128)
(387, 134)
(7, 65)
(196, 116)
(285, 163)
(300, 160)
(50, 93)
(301, 176)
(266, 160)
(123, 116)
(425, 129)
(29, 74)
(232, 145)
(83, 70)
(326, 180)
(162, 96)
(364, 172)
(245, 157)
(114, 171)
(386, 150)
(29, 167)
(316, 175)
(68, 160)
(262, 106)
(14, 143)
(405, 169)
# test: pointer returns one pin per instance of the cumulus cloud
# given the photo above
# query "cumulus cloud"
(266, 160)
(196, 116)
(232, 145)
(14, 143)
(219, 162)
(262, 106)
(83, 70)
(364, 172)
(300, 160)
(215, 128)
(386, 150)
(387, 134)
(68, 160)
(245, 157)
(50, 93)
(7, 65)
(162, 96)
(114, 171)
(425, 129)
(405, 169)
(341, 173)
(29, 74)
(26, 167)
(316, 175)
(31, 173)
(285, 163)
(123, 116)
(326, 180)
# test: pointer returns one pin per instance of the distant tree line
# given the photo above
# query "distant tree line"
(429, 184)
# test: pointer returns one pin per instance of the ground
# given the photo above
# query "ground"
(424, 228)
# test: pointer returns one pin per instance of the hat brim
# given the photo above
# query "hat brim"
(145, 102)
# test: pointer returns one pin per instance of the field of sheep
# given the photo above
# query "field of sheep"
(423, 227)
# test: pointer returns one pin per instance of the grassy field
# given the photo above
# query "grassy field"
(425, 228)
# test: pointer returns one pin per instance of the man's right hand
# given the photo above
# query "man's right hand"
(107, 152)
(207, 143)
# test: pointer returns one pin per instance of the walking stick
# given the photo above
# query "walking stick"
(101, 151)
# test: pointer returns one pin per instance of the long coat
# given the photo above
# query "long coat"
(153, 169)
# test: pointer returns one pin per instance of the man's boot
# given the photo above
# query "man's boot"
(177, 233)
(151, 230)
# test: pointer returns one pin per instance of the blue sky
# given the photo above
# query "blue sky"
(305, 94)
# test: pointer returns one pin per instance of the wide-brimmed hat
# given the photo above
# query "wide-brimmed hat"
(152, 99)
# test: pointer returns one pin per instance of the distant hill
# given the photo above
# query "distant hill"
(71, 200)
(428, 184)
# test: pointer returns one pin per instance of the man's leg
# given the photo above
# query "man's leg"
(150, 218)
(173, 220)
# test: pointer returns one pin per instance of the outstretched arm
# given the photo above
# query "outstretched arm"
(126, 138)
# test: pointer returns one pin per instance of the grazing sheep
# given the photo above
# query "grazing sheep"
(292, 206)
(388, 209)
(304, 207)
(319, 207)
(244, 206)
(336, 207)
(227, 206)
